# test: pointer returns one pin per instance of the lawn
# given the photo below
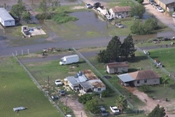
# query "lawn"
(17, 89)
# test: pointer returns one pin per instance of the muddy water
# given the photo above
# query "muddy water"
(11, 2)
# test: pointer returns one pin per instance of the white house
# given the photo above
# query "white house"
(117, 67)
(120, 12)
(139, 78)
(5, 18)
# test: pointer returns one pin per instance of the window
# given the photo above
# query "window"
(99, 89)
(145, 81)
(138, 81)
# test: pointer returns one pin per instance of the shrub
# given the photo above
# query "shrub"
(84, 98)
(105, 93)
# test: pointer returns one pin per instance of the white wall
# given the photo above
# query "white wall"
(99, 91)
(149, 82)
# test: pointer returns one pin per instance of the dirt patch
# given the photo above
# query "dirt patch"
(76, 107)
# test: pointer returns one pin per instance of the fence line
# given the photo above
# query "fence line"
(152, 61)
(101, 76)
(39, 86)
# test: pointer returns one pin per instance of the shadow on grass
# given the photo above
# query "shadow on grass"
(137, 59)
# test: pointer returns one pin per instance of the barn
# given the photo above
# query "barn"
(5, 18)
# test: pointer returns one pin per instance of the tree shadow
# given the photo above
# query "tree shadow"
(137, 59)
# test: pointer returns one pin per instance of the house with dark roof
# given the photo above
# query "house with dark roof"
(117, 67)
(120, 11)
(138, 78)
(168, 5)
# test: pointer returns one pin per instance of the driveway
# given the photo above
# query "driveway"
(167, 20)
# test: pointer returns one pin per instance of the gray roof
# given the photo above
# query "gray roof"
(167, 1)
(4, 14)
(125, 78)
(72, 80)
(86, 85)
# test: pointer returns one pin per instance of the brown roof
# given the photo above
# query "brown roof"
(144, 74)
(89, 74)
(97, 83)
(121, 9)
(118, 64)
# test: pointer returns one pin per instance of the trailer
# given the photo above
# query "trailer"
(69, 59)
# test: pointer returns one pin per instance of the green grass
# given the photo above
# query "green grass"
(17, 89)
(120, 3)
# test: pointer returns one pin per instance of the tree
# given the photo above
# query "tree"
(92, 105)
(18, 9)
(84, 98)
(138, 10)
(102, 56)
(145, 88)
(121, 102)
(140, 1)
(26, 16)
(157, 112)
(43, 6)
(127, 47)
(113, 50)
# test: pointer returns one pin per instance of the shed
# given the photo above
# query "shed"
(117, 67)
(5, 18)
(166, 4)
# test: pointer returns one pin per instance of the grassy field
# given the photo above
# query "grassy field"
(17, 89)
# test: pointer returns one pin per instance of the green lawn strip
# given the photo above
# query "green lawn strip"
(150, 43)
(166, 57)
(18, 90)
(120, 3)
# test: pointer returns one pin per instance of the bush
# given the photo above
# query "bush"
(105, 93)
(84, 98)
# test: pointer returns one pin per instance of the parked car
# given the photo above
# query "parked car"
(97, 4)
(146, 52)
(160, 9)
(173, 15)
(103, 111)
(119, 25)
(89, 6)
(58, 82)
(55, 97)
(62, 93)
(115, 109)
(151, 2)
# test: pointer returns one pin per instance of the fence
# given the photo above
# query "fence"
(101, 76)
(152, 61)
(39, 86)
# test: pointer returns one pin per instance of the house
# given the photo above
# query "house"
(5, 18)
(86, 82)
(120, 12)
(168, 5)
(138, 78)
(117, 67)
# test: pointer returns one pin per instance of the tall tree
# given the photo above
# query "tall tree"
(138, 10)
(43, 6)
(121, 102)
(127, 48)
(113, 50)
(102, 56)
(157, 112)
(18, 9)
(26, 16)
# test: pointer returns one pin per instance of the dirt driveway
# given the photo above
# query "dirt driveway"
(149, 102)
(76, 107)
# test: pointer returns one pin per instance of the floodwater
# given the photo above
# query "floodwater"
(12, 2)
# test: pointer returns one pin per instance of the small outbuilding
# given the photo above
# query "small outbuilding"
(117, 67)
(5, 18)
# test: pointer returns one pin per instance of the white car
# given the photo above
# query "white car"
(58, 82)
(146, 52)
(89, 6)
(173, 15)
(119, 25)
(115, 109)
(160, 9)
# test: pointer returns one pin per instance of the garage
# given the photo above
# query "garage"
(5, 18)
